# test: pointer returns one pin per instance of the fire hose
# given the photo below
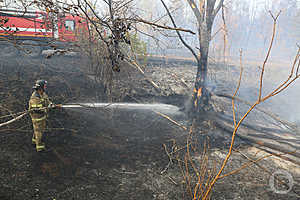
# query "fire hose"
(24, 113)
(12, 120)
(52, 106)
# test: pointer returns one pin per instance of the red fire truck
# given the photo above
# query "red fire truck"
(36, 31)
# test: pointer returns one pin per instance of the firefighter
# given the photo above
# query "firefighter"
(39, 105)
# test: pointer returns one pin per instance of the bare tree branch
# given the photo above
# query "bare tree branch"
(196, 11)
(161, 26)
(268, 54)
(216, 10)
(179, 35)
(237, 88)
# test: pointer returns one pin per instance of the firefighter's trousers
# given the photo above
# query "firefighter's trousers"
(39, 126)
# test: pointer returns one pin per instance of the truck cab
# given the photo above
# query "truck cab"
(70, 27)
(36, 30)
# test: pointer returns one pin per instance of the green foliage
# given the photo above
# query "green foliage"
(138, 46)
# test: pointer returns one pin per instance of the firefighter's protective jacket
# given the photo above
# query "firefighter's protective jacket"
(38, 106)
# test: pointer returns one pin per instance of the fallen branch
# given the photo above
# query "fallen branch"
(171, 120)
(259, 143)
(135, 65)
(130, 173)
(172, 180)
(251, 126)
(287, 124)
(250, 163)
(179, 79)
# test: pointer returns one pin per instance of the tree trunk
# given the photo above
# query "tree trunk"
(205, 12)
(201, 95)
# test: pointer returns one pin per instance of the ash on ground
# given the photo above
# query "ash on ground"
(120, 154)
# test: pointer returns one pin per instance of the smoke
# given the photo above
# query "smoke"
(285, 104)
(250, 27)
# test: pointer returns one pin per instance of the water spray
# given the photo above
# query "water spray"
(155, 107)
(165, 108)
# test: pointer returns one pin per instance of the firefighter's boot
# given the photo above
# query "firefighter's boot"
(33, 140)
(40, 147)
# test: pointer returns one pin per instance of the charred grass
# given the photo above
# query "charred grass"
(113, 154)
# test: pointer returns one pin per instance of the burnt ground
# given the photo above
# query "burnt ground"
(115, 154)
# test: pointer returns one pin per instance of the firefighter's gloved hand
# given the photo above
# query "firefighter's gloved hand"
(51, 106)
